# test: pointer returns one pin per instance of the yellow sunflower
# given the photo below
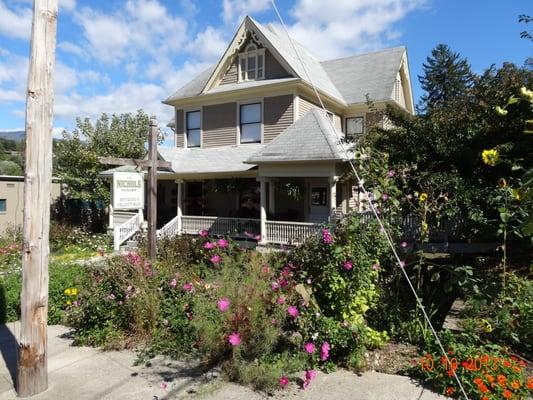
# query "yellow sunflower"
(490, 156)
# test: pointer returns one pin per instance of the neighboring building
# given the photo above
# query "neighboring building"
(253, 149)
(12, 200)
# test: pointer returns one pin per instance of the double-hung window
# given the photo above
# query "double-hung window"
(252, 63)
(193, 128)
(354, 127)
(250, 122)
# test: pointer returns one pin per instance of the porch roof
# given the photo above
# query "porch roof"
(310, 138)
(209, 160)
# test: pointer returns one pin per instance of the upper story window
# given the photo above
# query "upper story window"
(252, 63)
(354, 126)
(250, 122)
(193, 128)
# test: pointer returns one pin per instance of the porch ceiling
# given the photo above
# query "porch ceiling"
(216, 160)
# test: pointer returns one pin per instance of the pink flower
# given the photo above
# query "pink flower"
(375, 266)
(216, 259)
(274, 286)
(173, 282)
(402, 264)
(209, 245)
(385, 196)
(222, 243)
(223, 304)
(188, 287)
(309, 376)
(390, 173)
(348, 265)
(203, 233)
(309, 347)
(163, 385)
(111, 296)
(403, 245)
(293, 311)
(281, 300)
(324, 351)
(234, 339)
(283, 381)
(283, 282)
(257, 237)
(265, 269)
(326, 236)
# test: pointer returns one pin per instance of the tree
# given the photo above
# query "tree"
(76, 162)
(446, 76)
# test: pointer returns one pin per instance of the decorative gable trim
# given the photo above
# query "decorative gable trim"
(246, 29)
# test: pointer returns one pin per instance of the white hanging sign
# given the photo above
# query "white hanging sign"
(128, 191)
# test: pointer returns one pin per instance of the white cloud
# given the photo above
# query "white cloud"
(65, 78)
(15, 23)
(67, 5)
(10, 95)
(208, 45)
(349, 26)
(57, 132)
(141, 27)
(233, 11)
(71, 48)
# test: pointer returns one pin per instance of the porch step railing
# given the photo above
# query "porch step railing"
(283, 232)
(169, 230)
(126, 230)
(219, 225)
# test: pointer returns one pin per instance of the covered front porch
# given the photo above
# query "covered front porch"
(269, 209)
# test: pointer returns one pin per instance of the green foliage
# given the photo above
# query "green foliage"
(11, 157)
(76, 156)
(10, 168)
(61, 277)
(446, 76)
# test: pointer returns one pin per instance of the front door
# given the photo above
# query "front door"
(318, 201)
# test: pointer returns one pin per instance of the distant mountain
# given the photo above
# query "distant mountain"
(13, 135)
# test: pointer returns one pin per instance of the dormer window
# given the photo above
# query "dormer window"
(252, 63)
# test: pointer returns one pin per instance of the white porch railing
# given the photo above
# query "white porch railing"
(170, 229)
(219, 225)
(290, 232)
(123, 232)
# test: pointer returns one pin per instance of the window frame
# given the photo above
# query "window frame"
(354, 135)
(245, 56)
(186, 128)
(4, 211)
(261, 121)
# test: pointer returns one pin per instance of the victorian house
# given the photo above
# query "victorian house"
(255, 155)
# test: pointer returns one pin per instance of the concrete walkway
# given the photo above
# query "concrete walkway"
(84, 373)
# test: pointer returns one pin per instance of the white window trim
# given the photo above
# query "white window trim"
(245, 55)
(345, 124)
(185, 138)
(238, 122)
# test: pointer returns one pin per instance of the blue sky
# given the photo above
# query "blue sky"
(119, 56)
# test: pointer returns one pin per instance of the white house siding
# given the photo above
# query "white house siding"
(278, 116)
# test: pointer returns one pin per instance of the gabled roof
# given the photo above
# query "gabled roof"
(310, 138)
(209, 160)
(346, 80)
(373, 73)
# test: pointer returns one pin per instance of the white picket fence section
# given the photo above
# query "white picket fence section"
(283, 232)
(123, 232)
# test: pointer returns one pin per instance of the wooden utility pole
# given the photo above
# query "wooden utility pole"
(152, 164)
(32, 373)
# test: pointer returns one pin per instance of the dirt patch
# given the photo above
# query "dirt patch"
(393, 358)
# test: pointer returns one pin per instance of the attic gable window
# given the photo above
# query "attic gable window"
(252, 63)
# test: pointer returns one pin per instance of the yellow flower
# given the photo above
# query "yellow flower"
(424, 227)
(69, 302)
(526, 93)
(67, 291)
(71, 291)
(517, 194)
(423, 197)
(502, 183)
(490, 156)
(501, 111)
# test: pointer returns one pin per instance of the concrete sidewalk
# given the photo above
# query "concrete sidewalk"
(83, 373)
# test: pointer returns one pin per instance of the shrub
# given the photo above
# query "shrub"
(62, 277)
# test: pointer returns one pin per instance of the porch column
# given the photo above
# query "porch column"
(332, 197)
(271, 196)
(262, 183)
(179, 203)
